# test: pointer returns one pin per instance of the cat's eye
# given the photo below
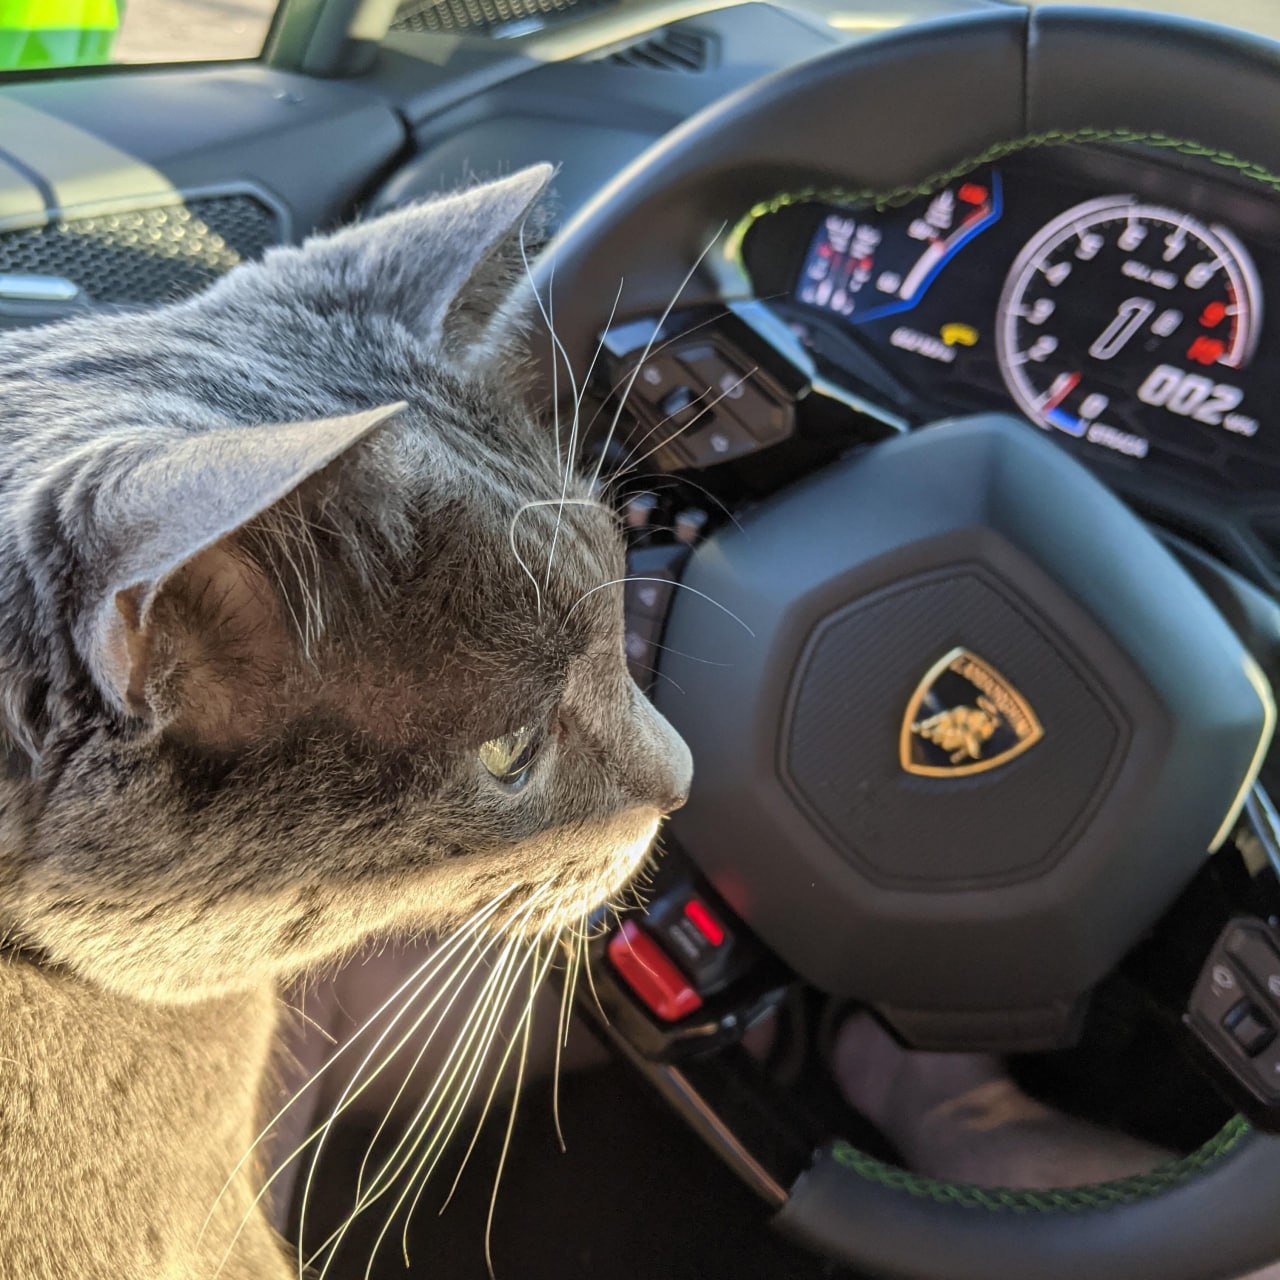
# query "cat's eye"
(510, 757)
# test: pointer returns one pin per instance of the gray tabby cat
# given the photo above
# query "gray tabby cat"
(281, 667)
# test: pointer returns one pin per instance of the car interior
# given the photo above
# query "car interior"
(922, 347)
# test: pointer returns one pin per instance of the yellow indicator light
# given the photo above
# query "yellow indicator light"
(959, 335)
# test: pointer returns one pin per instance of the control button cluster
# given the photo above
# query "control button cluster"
(652, 573)
(1235, 1013)
(699, 940)
(684, 976)
(678, 955)
(701, 401)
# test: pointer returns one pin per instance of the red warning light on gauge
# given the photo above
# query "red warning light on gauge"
(1206, 350)
(1213, 315)
(973, 193)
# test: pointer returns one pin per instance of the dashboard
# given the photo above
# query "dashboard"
(1114, 299)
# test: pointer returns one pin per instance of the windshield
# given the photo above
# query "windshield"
(504, 19)
(1262, 16)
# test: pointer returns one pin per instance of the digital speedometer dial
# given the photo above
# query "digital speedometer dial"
(1122, 321)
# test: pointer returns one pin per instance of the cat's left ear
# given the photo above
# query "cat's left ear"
(441, 268)
(154, 516)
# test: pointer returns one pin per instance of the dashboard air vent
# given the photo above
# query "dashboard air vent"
(672, 49)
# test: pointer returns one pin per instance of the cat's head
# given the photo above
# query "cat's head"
(299, 643)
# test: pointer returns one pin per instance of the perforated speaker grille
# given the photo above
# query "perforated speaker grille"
(484, 16)
(145, 255)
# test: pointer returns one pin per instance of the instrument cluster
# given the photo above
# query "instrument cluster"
(1113, 298)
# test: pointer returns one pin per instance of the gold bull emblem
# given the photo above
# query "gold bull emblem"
(965, 717)
(962, 732)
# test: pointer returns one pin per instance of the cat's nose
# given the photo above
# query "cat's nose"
(681, 775)
(676, 800)
(663, 758)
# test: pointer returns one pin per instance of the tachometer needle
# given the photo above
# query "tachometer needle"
(1130, 316)
(1063, 385)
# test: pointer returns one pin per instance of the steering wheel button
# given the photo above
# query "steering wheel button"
(680, 405)
(656, 378)
(722, 439)
(651, 975)
(737, 390)
(1258, 957)
(712, 930)
(1266, 1071)
(1249, 1028)
(651, 576)
(698, 939)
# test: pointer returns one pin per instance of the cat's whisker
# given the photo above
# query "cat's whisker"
(566, 459)
(582, 959)
(492, 1003)
(555, 364)
(472, 1027)
(586, 383)
(613, 426)
(637, 445)
(538, 974)
(673, 483)
(577, 949)
(661, 675)
(551, 330)
(692, 657)
(420, 975)
(562, 1035)
(623, 466)
(360, 1176)
(666, 581)
(456, 981)
(595, 995)
(591, 368)
(529, 506)
(520, 560)
(471, 1076)
(526, 1027)
(675, 435)
(644, 355)
(320, 1132)
(497, 1004)
(386, 1176)
(715, 318)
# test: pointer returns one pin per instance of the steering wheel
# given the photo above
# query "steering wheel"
(977, 910)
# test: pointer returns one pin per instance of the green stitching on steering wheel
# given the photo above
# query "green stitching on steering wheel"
(1173, 1173)
(881, 200)
(1082, 1199)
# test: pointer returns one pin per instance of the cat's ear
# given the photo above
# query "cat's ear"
(174, 508)
(441, 268)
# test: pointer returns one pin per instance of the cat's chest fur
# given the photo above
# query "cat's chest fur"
(119, 1125)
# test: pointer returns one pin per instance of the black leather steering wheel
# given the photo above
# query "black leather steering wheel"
(852, 570)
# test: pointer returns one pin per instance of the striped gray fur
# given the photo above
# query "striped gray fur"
(261, 599)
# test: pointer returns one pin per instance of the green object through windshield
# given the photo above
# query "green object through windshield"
(56, 33)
